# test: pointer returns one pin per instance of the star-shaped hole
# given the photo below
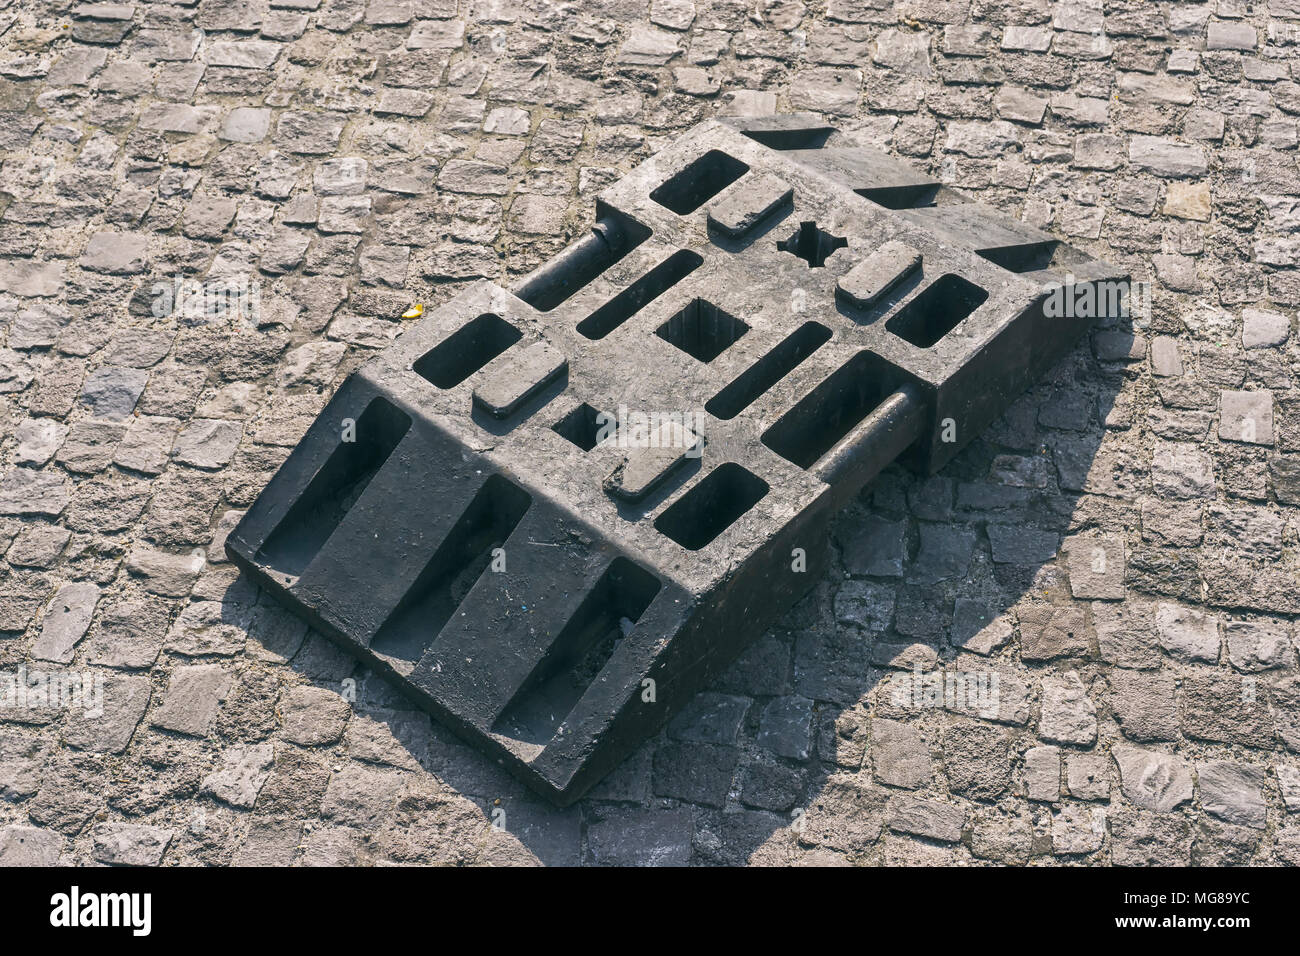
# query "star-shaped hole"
(811, 244)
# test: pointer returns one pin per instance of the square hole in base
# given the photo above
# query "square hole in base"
(584, 427)
(702, 330)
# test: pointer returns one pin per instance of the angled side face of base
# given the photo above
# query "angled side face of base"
(553, 514)
(505, 613)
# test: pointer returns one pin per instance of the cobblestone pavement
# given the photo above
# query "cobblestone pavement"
(1120, 550)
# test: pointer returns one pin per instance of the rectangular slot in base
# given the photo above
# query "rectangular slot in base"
(829, 412)
(1030, 257)
(712, 506)
(912, 196)
(605, 616)
(767, 371)
(462, 557)
(792, 137)
(937, 310)
(359, 455)
(466, 350)
(699, 182)
(640, 294)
